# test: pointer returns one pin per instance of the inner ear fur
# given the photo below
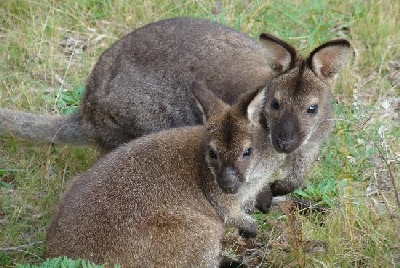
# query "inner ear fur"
(281, 56)
(328, 59)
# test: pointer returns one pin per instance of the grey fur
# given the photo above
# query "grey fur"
(140, 85)
(43, 128)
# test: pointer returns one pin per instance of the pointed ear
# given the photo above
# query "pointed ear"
(210, 104)
(281, 56)
(246, 105)
(328, 59)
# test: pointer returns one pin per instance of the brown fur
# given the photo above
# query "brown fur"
(156, 201)
(140, 85)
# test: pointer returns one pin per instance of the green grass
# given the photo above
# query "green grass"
(47, 49)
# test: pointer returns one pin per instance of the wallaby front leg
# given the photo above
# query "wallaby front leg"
(295, 166)
(247, 226)
(235, 217)
(264, 199)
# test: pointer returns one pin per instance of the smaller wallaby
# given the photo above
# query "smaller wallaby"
(163, 200)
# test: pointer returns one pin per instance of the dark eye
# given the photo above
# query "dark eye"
(213, 154)
(275, 104)
(248, 152)
(313, 109)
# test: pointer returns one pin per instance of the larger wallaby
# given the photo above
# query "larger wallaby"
(139, 86)
(162, 200)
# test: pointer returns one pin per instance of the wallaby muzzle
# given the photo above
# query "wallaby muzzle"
(230, 180)
(287, 137)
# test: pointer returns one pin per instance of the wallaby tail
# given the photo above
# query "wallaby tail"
(60, 129)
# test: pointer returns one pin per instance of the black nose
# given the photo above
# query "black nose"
(230, 180)
(285, 144)
(230, 188)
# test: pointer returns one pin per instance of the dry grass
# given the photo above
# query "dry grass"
(48, 47)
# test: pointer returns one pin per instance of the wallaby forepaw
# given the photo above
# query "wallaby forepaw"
(230, 262)
(264, 201)
(264, 206)
(248, 232)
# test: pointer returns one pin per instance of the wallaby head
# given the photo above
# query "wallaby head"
(298, 102)
(229, 143)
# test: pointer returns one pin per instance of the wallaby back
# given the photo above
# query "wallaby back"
(155, 202)
(141, 83)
